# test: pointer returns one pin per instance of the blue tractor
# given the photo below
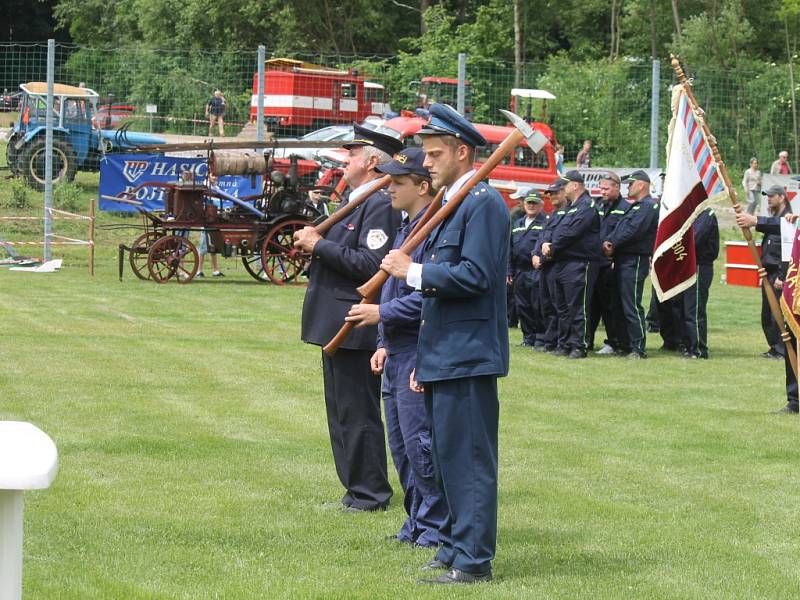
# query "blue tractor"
(78, 145)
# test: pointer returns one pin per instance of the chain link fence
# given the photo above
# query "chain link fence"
(749, 112)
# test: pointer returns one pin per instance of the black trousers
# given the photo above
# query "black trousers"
(352, 400)
(695, 301)
(574, 286)
(631, 272)
(527, 315)
(791, 380)
(602, 306)
(768, 325)
(547, 309)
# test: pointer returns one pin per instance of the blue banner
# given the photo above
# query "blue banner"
(123, 172)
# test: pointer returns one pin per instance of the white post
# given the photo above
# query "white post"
(260, 103)
(11, 545)
(654, 101)
(48, 152)
(462, 77)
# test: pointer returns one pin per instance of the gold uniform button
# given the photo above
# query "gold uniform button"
(434, 290)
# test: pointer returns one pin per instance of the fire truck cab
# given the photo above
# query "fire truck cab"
(299, 96)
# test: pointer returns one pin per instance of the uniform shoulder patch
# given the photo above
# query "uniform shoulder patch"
(376, 238)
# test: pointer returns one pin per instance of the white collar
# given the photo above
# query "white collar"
(359, 191)
(457, 185)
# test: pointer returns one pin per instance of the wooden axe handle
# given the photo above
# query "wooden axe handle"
(348, 208)
(413, 241)
(332, 346)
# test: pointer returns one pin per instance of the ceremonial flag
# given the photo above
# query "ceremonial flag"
(692, 182)
(790, 297)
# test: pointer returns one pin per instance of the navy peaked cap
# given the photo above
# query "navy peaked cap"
(446, 120)
(366, 137)
(406, 162)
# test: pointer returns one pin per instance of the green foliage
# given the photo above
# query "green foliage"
(69, 196)
(20, 196)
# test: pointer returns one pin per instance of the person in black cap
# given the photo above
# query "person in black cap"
(348, 256)
(463, 345)
(631, 246)
(548, 340)
(575, 249)
(525, 233)
(778, 206)
(398, 316)
(612, 206)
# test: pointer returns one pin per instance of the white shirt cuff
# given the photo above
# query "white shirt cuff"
(414, 276)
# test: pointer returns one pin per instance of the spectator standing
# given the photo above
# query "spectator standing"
(317, 201)
(559, 159)
(215, 112)
(781, 166)
(751, 182)
(584, 160)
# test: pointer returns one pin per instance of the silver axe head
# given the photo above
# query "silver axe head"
(536, 139)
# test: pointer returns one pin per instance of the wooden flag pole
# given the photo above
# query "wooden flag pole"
(774, 307)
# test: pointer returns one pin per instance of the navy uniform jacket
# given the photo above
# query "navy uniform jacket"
(706, 237)
(771, 244)
(349, 255)
(523, 243)
(610, 214)
(635, 232)
(547, 234)
(401, 304)
(464, 328)
(577, 235)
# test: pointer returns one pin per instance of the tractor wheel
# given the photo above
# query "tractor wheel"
(252, 264)
(140, 248)
(172, 256)
(12, 154)
(32, 159)
(281, 261)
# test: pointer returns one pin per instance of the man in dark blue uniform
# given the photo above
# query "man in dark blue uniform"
(611, 208)
(548, 340)
(463, 345)
(575, 249)
(705, 230)
(631, 245)
(525, 233)
(398, 317)
(348, 256)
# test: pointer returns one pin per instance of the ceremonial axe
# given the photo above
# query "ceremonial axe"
(536, 141)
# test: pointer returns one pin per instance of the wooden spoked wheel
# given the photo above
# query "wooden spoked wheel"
(252, 264)
(140, 248)
(172, 257)
(281, 261)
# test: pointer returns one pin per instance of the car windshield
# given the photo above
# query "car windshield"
(327, 133)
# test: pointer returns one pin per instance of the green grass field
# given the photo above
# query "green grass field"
(195, 463)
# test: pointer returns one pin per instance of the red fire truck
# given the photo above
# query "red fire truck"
(443, 90)
(299, 96)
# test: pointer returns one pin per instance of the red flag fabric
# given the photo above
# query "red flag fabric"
(790, 297)
(692, 181)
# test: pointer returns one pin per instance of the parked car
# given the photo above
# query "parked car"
(111, 117)
(332, 133)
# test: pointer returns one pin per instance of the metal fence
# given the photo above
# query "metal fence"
(749, 112)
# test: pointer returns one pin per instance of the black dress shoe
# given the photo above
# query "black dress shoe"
(395, 539)
(456, 576)
(356, 509)
(772, 354)
(789, 409)
(560, 352)
(577, 353)
(434, 564)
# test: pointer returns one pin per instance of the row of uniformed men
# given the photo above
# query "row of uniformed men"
(442, 341)
(587, 262)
